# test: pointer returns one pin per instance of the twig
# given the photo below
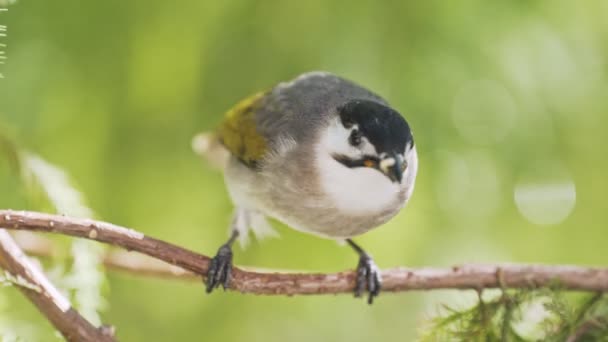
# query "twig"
(115, 260)
(397, 279)
(588, 305)
(586, 325)
(45, 296)
(585, 329)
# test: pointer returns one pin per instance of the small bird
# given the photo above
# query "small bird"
(319, 153)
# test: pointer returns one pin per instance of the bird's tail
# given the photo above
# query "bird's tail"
(208, 146)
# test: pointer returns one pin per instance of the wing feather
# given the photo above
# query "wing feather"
(239, 132)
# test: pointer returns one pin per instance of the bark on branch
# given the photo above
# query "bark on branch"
(36, 287)
(397, 279)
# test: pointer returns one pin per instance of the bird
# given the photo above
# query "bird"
(319, 153)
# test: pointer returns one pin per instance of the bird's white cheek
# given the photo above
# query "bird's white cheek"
(357, 191)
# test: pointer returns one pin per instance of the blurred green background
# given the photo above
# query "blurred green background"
(507, 101)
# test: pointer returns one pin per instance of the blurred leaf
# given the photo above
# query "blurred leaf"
(86, 277)
(524, 315)
(6, 3)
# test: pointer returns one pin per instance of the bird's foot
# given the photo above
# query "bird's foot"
(220, 269)
(368, 276)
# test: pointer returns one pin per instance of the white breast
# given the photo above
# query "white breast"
(356, 191)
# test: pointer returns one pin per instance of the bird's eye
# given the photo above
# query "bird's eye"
(347, 123)
(355, 138)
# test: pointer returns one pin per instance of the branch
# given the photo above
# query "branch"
(394, 280)
(36, 287)
(115, 260)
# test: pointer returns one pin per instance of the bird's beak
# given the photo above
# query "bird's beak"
(392, 167)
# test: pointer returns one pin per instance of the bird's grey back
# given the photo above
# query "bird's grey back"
(298, 108)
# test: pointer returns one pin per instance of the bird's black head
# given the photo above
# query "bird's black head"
(379, 136)
(383, 126)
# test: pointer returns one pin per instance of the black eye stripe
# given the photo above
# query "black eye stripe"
(347, 123)
(355, 138)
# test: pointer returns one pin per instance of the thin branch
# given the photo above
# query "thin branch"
(586, 328)
(586, 325)
(36, 287)
(115, 260)
(397, 279)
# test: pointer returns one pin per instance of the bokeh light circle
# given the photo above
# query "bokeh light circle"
(469, 185)
(484, 112)
(545, 193)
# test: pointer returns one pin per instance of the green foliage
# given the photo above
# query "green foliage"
(6, 3)
(85, 277)
(505, 98)
(524, 316)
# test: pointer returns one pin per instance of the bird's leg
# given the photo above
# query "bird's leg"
(368, 274)
(221, 265)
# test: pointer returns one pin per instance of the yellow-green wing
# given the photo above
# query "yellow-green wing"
(238, 131)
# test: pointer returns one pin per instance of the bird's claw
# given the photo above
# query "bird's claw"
(220, 269)
(368, 276)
